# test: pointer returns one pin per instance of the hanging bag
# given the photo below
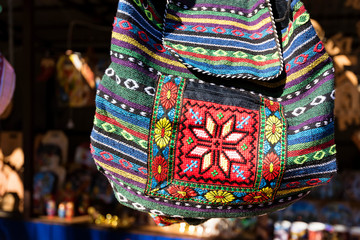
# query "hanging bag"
(214, 108)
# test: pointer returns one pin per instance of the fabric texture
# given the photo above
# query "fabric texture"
(232, 40)
(179, 141)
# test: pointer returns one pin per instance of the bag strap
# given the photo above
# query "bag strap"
(286, 13)
(229, 47)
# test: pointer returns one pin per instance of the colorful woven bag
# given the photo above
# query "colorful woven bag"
(214, 108)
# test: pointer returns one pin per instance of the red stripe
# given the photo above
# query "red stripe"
(230, 59)
(114, 122)
(311, 150)
(297, 14)
(154, 15)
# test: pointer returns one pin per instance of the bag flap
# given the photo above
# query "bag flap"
(229, 39)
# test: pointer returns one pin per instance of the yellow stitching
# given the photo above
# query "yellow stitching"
(296, 74)
(152, 54)
(285, 192)
(122, 173)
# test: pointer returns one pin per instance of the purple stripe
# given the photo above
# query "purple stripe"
(299, 67)
(133, 48)
(153, 60)
(127, 180)
(200, 16)
(134, 66)
(214, 25)
(144, 71)
(312, 120)
(311, 90)
(119, 166)
(307, 75)
(302, 66)
(244, 10)
(132, 35)
(123, 100)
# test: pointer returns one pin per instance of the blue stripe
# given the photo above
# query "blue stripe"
(327, 167)
(303, 183)
(265, 46)
(298, 41)
(116, 159)
(150, 44)
(132, 13)
(311, 135)
(225, 69)
(127, 150)
(227, 31)
(291, 60)
(122, 114)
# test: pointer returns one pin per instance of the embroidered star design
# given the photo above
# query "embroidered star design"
(217, 145)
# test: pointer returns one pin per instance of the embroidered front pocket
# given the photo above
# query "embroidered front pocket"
(212, 146)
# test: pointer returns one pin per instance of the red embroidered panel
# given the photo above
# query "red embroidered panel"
(217, 144)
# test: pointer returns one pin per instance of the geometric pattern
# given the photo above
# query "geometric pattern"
(209, 152)
(217, 145)
(124, 109)
(209, 42)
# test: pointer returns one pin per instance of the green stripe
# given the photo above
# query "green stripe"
(128, 72)
(229, 63)
(316, 156)
(325, 89)
(158, 15)
(303, 146)
(120, 132)
(318, 110)
(221, 14)
(131, 95)
(164, 70)
(126, 124)
(128, 184)
(147, 13)
(312, 77)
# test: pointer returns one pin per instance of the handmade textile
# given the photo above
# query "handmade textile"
(223, 153)
(216, 125)
(232, 40)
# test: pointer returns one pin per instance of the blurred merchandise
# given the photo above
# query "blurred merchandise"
(50, 208)
(108, 220)
(355, 233)
(69, 210)
(336, 213)
(61, 210)
(73, 90)
(7, 83)
(316, 230)
(11, 171)
(282, 230)
(298, 231)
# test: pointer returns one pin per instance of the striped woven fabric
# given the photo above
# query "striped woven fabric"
(236, 40)
(125, 101)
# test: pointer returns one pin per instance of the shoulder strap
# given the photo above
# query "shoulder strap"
(227, 39)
